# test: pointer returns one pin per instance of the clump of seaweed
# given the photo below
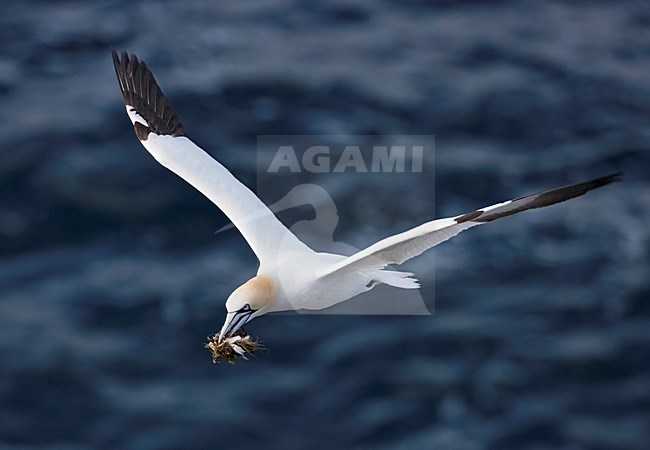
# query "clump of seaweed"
(233, 346)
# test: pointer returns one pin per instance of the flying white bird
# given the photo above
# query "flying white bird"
(291, 275)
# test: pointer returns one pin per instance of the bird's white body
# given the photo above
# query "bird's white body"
(302, 286)
(291, 275)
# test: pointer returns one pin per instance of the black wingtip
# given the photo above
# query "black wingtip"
(142, 93)
(541, 199)
(615, 177)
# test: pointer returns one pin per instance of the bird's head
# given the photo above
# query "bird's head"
(252, 299)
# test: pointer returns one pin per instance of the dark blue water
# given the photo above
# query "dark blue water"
(111, 275)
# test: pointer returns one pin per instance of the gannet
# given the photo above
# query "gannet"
(292, 276)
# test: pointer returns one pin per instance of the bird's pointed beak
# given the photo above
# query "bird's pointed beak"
(234, 321)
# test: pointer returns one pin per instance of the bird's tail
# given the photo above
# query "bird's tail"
(404, 280)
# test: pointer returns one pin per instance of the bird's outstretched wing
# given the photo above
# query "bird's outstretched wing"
(404, 246)
(162, 134)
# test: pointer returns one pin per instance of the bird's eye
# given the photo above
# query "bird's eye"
(246, 307)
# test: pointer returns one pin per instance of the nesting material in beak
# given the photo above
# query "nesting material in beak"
(232, 346)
